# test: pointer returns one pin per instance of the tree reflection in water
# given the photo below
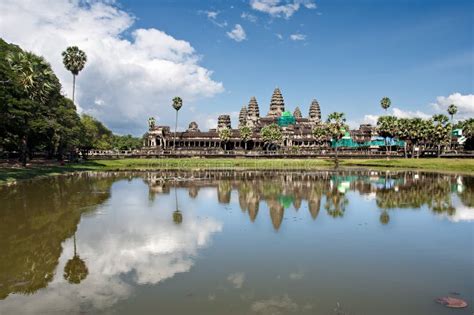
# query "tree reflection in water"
(33, 227)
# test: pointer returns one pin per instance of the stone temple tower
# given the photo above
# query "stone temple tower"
(243, 116)
(253, 113)
(223, 122)
(314, 112)
(297, 113)
(277, 104)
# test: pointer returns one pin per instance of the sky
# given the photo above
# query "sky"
(216, 55)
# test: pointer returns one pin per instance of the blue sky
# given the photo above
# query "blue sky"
(349, 55)
(355, 52)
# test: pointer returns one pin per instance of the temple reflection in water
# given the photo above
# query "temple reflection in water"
(38, 217)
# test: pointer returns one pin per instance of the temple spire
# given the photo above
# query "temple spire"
(314, 111)
(243, 116)
(277, 104)
(297, 113)
(253, 112)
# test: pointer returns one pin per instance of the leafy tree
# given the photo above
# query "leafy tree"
(320, 133)
(385, 103)
(271, 134)
(74, 60)
(441, 135)
(336, 128)
(177, 104)
(245, 134)
(224, 135)
(387, 127)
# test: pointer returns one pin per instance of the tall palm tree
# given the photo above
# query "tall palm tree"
(74, 60)
(385, 103)
(245, 134)
(177, 104)
(452, 110)
(336, 128)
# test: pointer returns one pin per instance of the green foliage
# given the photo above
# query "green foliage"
(224, 134)
(74, 59)
(387, 126)
(320, 132)
(336, 127)
(271, 134)
(245, 133)
(452, 110)
(177, 103)
(385, 103)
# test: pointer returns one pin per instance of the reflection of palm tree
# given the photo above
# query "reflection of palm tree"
(335, 203)
(75, 270)
(384, 217)
(177, 215)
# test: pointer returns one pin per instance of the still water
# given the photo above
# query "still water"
(208, 242)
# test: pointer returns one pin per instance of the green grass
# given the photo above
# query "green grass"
(8, 175)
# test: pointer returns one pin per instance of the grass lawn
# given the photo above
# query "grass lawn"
(11, 174)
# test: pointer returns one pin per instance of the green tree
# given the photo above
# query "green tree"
(245, 134)
(441, 135)
(74, 60)
(385, 103)
(271, 134)
(452, 110)
(320, 133)
(224, 135)
(177, 104)
(387, 127)
(336, 129)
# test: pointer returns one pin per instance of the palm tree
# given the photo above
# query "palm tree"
(224, 135)
(37, 79)
(441, 134)
(177, 104)
(385, 103)
(271, 135)
(245, 133)
(384, 217)
(336, 128)
(452, 110)
(387, 127)
(74, 60)
(75, 270)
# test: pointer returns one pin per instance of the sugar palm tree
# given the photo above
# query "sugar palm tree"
(452, 110)
(385, 103)
(336, 128)
(245, 133)
(224, 135)
(74, 60)
(387, 127)
(177, 104)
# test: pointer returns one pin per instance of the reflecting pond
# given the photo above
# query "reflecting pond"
(242, 242)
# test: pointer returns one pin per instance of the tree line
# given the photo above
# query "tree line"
(36, 117)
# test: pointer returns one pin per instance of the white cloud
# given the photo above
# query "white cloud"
(238, 33)
(278, 8)
(464, 103)
(370, 119)
(275, 305)
(212, 16)
(298, 37)
(279, 36)
(400, 113)
(249, 17)
(135, 76)
(237, 279)
(148, 249)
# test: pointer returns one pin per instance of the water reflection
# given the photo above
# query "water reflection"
(95, 237)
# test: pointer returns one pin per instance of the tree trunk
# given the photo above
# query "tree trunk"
(73, 87)
(439, 150)
(23, 149)
(175, 130)
(336, 161)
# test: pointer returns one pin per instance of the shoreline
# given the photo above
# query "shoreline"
(11, 174)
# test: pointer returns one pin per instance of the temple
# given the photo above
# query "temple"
(296, 129)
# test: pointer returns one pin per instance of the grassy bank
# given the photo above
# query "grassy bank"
(11, 174)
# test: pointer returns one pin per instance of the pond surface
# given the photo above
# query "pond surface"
(208, 242)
